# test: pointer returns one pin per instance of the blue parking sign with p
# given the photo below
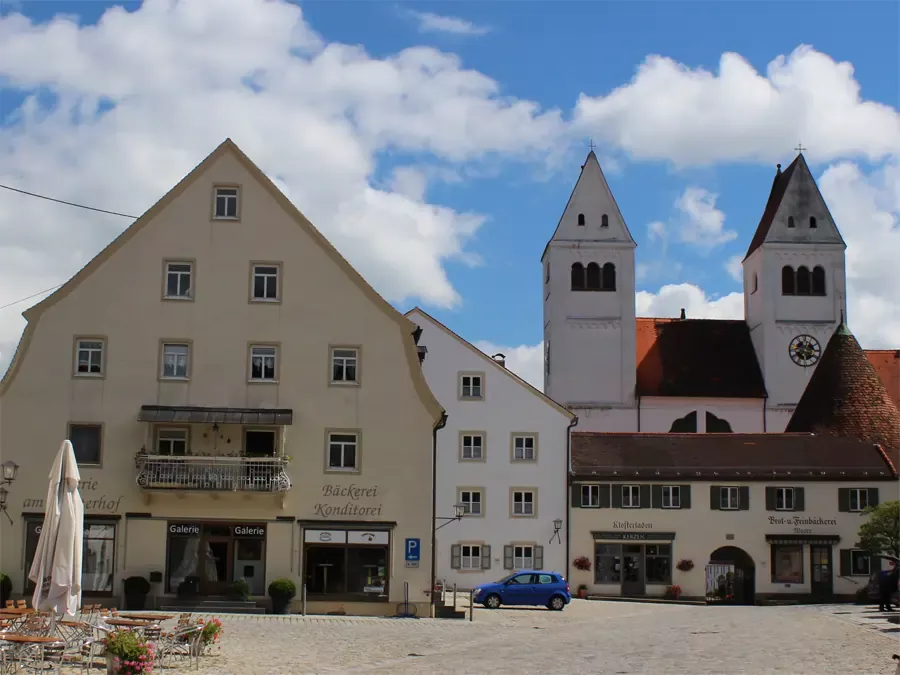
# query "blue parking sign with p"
(413, 548)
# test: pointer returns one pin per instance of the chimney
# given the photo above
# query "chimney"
(683, 315)
(500, 359)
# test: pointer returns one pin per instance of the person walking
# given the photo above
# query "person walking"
(888, 581)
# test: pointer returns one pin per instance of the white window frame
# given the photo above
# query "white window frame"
(631, 496)
(726, 503)
(524, 438)
(266, 356)
(472, 561)
(857, 495)
(180, 275)
(228, 194)
(169, 436)
(522, 507)
(472, 506)
(787, 497)
(468, 392)
(90, 347)
(521, 561)
(265, 272)
(593, 496)
(344, 445)
(854, 552)
(346, 357)
(186, 361)
(671, 496)
(471, 448)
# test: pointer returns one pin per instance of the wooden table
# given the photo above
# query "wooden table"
(127, 623)
(17, 611)
(29, 639)
(137, 616)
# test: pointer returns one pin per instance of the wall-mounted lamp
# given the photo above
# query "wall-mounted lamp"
(459, 509)
(557, 526)
(9, 471)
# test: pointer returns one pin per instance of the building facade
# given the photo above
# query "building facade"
(241, 403)
(502, 457)
(622, 374)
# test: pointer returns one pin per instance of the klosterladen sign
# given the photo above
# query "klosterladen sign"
(345, 501)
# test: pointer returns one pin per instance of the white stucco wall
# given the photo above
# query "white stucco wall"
(509, 406)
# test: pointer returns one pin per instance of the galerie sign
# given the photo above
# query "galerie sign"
(347, 500)
(92, 502)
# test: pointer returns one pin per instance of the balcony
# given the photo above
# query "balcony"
(213, 474)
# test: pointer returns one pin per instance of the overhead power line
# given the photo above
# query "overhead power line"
(63, 201)
(33, 295)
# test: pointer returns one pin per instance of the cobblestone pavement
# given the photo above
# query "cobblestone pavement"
(588, 637)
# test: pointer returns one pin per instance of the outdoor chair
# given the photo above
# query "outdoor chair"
(81, 644)
(21, 604)
(36, 657)
(7, 658)
(10, 604)
(183, 642)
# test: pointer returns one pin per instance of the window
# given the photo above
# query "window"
(658, 561)
(471, 501)
(523, 557)
(609, 277)
(860, 563)
(728, 498)
(590, 496)
(755, 283)
(175, 361)
(349, 565)
(523, 503)
(98, 554)
(260, 443)
(581, 219)
(818, 280)
(788, 286)
(578, 281)
(226, 203)
(784, 499)
(547, 359)
(804, 281)
(344, 362)
(524, 448)
(671, 497)
(171, 442)
(790, 221)
(787, 564)
(470, 557)
(608, 563)
(87, 442)
(178, 281)
(343, 452)
(89, 357)
(859, 499)
(604, 220)
(593, 275)
(264, 280)
(631, 496)
(812, 222)
(547, 273)
(471, 386)
(263, 363)
(472, 446)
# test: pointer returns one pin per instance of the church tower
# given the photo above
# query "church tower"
(794, 287)
(589, 305)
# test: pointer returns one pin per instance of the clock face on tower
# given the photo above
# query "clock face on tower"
(805, 350)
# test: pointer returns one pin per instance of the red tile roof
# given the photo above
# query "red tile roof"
(727, 456)
(697, 357)
(886, 363)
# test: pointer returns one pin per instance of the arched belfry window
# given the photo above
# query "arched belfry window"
(812, 222)
(604, 220)
(608, 283)
(804, 281)
(593, 277)
(818, 280)
(581, 219)
(755, 283)
(577, 277)
(788, 287)
(685, 425)
(790, 221)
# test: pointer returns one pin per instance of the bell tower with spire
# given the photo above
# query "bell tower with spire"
(589, 307)
(794, 287)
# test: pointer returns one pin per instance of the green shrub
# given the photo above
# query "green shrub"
(136, 586)
(283, 588)
(240, 589)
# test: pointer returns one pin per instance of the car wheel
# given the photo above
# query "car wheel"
(492, 601)
(557, 603)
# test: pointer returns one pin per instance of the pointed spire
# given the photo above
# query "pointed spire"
(845, 397)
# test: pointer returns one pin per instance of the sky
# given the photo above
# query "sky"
(435, 144)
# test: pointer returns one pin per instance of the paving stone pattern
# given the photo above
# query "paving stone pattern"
(588, 637)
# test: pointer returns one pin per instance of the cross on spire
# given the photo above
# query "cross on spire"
(800, 148)
(591, 144)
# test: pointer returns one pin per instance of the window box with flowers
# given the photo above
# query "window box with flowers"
(582, 563)
(673, 592)
(685, 565)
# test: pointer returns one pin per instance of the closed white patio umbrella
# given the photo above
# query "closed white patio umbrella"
(56, 568)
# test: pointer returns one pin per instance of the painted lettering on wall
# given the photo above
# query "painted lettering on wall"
(354, 493)
(104, 503)
(801, 520)
(631, 525)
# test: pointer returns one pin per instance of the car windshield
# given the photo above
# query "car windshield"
(506, 578)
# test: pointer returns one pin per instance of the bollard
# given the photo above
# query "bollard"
(454, 596)
(303, 600)
(471, 603)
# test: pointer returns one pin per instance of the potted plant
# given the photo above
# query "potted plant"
(282, 591)
(685, 565)
(582, 591)
(211, 632)
(582, 563)
(128, 654)
(136, 590)
(5, 589)
(239, 590)
(673, 592)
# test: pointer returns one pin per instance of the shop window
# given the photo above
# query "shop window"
(346, 565)
(99, 554)
(608, 563)
(787, 564)
(855, 562)
(658, 561)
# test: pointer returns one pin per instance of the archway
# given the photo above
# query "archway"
(742, 586)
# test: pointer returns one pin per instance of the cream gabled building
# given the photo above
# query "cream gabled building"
(243, 405)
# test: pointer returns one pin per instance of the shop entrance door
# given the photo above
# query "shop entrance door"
(822, 578)
(216, 573)
(633, 578)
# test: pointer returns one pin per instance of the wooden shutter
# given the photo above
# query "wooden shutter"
(616, 491)
(455, 555)
(844, 500)
(576, 496)
(645, 496)
(770, 498)
(605, 497)
(685, 496)
(538, 557)
(507, 557)
(485, 557)
(873, 496)
(656, 496)
(799, 499)
(846, 562)
(715, 503)
(744, 498)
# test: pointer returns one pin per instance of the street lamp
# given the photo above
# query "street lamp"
(459, 509)
(557, 526)
(10, 469)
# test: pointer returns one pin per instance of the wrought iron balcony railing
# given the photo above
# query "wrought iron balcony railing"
(212, 474)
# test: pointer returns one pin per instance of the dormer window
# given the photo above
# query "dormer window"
(812, 222)
(604, 220)
(581, 219)
(225, 203)
(790, 221)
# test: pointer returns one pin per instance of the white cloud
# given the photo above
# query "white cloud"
(526, 361)
(657, 231)
(671, 298)
(701, 223)
(436, 23)
(734, 268)
(180, 77)
(672, 112)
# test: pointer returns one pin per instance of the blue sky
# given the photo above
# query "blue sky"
(547, 55)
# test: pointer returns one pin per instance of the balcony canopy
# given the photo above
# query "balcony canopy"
(190, 414)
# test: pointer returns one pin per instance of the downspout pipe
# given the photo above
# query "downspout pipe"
(437, 427)
(572, 425)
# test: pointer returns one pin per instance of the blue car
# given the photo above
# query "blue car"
(527, 587)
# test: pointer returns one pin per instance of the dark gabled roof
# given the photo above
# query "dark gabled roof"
(720, 456)
(779, 186)
(846, 398)
(697, 357)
